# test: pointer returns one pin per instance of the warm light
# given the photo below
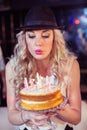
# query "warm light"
(76, 21)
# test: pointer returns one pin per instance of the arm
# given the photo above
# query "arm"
(15, 116)
(71, 113)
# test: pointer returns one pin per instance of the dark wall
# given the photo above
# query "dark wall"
(22, 4)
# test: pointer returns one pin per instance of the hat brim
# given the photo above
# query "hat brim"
(37, 27)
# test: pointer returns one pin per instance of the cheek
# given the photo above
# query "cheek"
(50, 45)
(30, 47)
(29, 44)
(49, 49)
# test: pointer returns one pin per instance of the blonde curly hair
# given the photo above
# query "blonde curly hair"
(25, 65)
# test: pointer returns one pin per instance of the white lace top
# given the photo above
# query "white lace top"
(60, 125)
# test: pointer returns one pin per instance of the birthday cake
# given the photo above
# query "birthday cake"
(40, 95)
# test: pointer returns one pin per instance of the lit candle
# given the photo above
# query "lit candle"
(38, 81)
(25, 82)
(52, 80)
(48, 82)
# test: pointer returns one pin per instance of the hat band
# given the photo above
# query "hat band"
(34, 23)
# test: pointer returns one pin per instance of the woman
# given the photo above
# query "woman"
(41, 48)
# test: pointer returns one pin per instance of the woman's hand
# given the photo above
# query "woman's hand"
(38, 118)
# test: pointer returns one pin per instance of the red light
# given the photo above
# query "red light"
(76, 21)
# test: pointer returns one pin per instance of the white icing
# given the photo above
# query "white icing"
(43, 90)
(42, 85)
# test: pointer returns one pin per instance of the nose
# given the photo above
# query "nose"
(39, 41)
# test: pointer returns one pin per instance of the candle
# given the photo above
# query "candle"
(25, 82)
(38, 81)
(52, 80)
(48, 82)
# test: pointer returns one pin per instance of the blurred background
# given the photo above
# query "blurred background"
(71, 15)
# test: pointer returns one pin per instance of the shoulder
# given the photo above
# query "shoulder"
(10, 63)
(75, 65)
(9, 68)
(72, 64)
(75, 70)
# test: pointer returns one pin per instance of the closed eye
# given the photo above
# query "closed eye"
(45, 36)
(31, 36)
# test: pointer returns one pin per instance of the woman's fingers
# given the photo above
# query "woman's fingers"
(38, 116)
(38, 122)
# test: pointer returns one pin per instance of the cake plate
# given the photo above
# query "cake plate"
(51, 112)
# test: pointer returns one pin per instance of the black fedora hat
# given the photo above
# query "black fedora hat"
(39, 17)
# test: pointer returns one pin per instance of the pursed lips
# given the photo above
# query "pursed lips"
(38, 52)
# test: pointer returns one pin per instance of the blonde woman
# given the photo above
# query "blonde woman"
(41, 48)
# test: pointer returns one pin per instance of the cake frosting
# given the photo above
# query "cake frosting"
(40, 94)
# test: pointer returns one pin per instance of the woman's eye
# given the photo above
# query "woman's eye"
(45, 36)
(31, 36)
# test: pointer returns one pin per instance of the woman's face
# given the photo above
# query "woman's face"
(39, 43)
